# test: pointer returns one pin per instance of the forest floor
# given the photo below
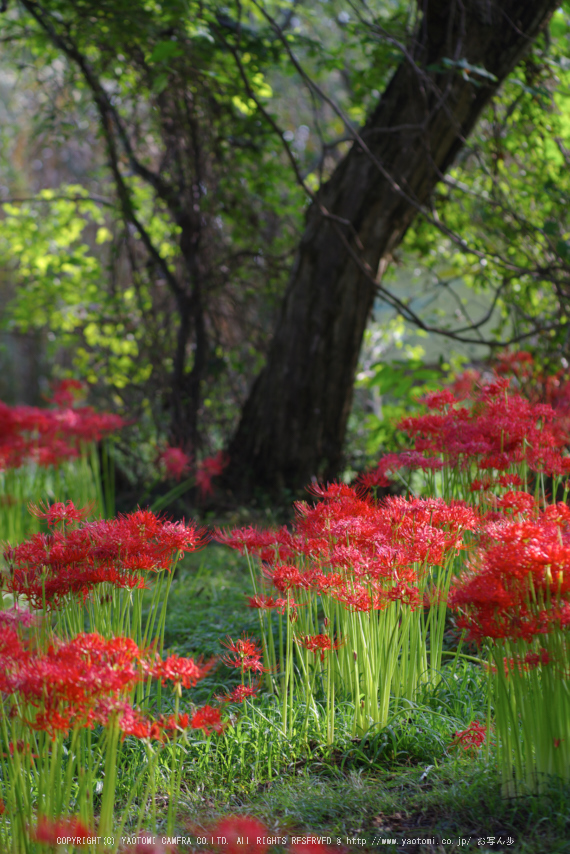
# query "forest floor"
(403, 790)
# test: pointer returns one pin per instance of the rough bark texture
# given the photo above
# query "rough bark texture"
(293, 424)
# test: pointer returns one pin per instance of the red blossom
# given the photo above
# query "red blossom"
(209, 468)
(50, 567)
(499, 429)
(182, 671)
(60, 513)
(245, 654)
(49, 436)
(319, 644)
(176, 462)
(209, 720)
(85, 681)
(66, 393)
(16, 616)
(471, 738)
(518, 584)
(239, 694)
(244, 834)
(261, 602)
(243, 647)
(48, 831)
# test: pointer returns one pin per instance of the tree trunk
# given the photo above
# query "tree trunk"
(294, 422)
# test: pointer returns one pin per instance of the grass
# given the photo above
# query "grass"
(401, 782)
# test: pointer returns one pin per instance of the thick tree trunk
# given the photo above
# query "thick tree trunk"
(293, 424)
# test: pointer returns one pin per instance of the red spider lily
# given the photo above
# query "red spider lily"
(15, 616)
(406, 594)
(518, 585)
(482, 484)
(520, 502)
(509, 480)
(535, 659)
(60, 513)
(285, 577)
(522, 664)
(49, 436)
(465, 384)
(176, 462)
(182, 671)
(244, 647)
(471, 738)
(245, 654)
(319, 644)
(266, 544)
(86, 681)
(22, 748)
(239, 694)
(282, 605)
(131, 722)
(49, 567)
(365, 556)
(209, 468)
(261, 602)
(501, 428)
(243, 834)
(373, 480)
(323, 583)
(49, 831)
(67, 392)
(209, 720)
(356, 599)
(519, 363)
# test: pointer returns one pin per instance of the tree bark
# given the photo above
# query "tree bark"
(294, 422)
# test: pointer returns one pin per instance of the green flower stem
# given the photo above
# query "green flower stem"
(109, 786)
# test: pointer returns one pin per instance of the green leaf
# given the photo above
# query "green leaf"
(165, 51)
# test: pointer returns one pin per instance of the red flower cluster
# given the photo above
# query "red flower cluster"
(245, 834)
(209, 720)
(319, 644)
(471, 738)
(176, 462)
(49, 831)
(518, 585)
(244, 655)
(59, 513)
(208, 469)
(15, 616)
(86, 681)
(49, 567)
(50, 436)
(239, 694)
(363, 554)
(497, 430)
(236, 829)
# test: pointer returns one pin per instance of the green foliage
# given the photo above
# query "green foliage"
(507, 200)
(206, 96)
(44, 244)
(49, 245)
(391, 391)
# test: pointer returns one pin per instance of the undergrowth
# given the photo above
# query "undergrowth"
(402, 781)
